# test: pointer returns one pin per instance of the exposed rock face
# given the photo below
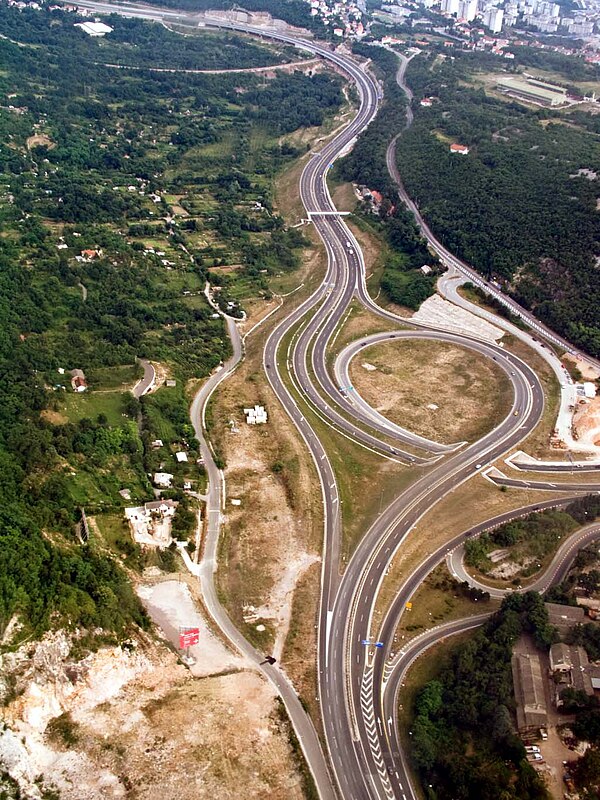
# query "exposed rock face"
(46, 683)
(132, 721)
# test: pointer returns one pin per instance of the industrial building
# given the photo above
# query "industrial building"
(533, 91)
(532, 711)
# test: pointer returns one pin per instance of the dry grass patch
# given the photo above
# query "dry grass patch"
(279, 516)
(40, 140)
(441, 391)
(439, 599)
(300, 651)
(53, 417)
(358, 323)
(343, 197)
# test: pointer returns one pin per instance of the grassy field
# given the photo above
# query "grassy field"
(120, 378)
(439, 599)
(76, 406)
(446, 393)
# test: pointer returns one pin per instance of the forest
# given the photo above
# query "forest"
(122, 192)
(294, 12)
(529, 539)
(136, 43)
(464, 743)
(402, 281)
(521, 207)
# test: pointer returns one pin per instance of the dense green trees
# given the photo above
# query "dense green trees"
(295, 101)
(134, 42)
(402, 280)
(295, 12)
(533, 537)
(516, 207)
(463, 739)
(116, 149)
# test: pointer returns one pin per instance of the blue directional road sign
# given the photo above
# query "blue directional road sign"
(365, 641)
(378, 644)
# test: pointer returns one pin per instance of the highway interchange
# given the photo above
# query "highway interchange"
(358, 682)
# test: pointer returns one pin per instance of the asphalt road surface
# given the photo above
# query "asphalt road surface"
(367, 761)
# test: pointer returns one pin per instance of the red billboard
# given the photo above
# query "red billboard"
(188, 637)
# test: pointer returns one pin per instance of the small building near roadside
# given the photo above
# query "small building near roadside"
(181, 456)
(151, 523)
(589, 390)
(256, 415)
(461, 149)
(564, 617)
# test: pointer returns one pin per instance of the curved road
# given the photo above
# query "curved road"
(557, 569)
(449, 259)
(351, 673)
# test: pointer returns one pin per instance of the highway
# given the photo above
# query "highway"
(556, 571)
(365, 761)
(500, 479)
(450, 260)
(525, 463)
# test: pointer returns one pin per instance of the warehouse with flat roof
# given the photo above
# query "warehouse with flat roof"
(533, 91)
(528, 682)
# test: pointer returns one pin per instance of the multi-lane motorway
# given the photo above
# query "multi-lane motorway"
(357, 712)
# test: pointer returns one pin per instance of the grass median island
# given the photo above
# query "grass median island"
(441, 391)
(440, 598)
(520, 549)
(367, 482)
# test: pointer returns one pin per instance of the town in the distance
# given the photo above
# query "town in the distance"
(300, 400)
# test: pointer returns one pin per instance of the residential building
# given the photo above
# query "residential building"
(151, 523)
(450, 6)
(467, 9)
(78, 381)
(163, 480)
(493, 19)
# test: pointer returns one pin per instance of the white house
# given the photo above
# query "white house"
(256, 415)
(163, 480)
(151, 523)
